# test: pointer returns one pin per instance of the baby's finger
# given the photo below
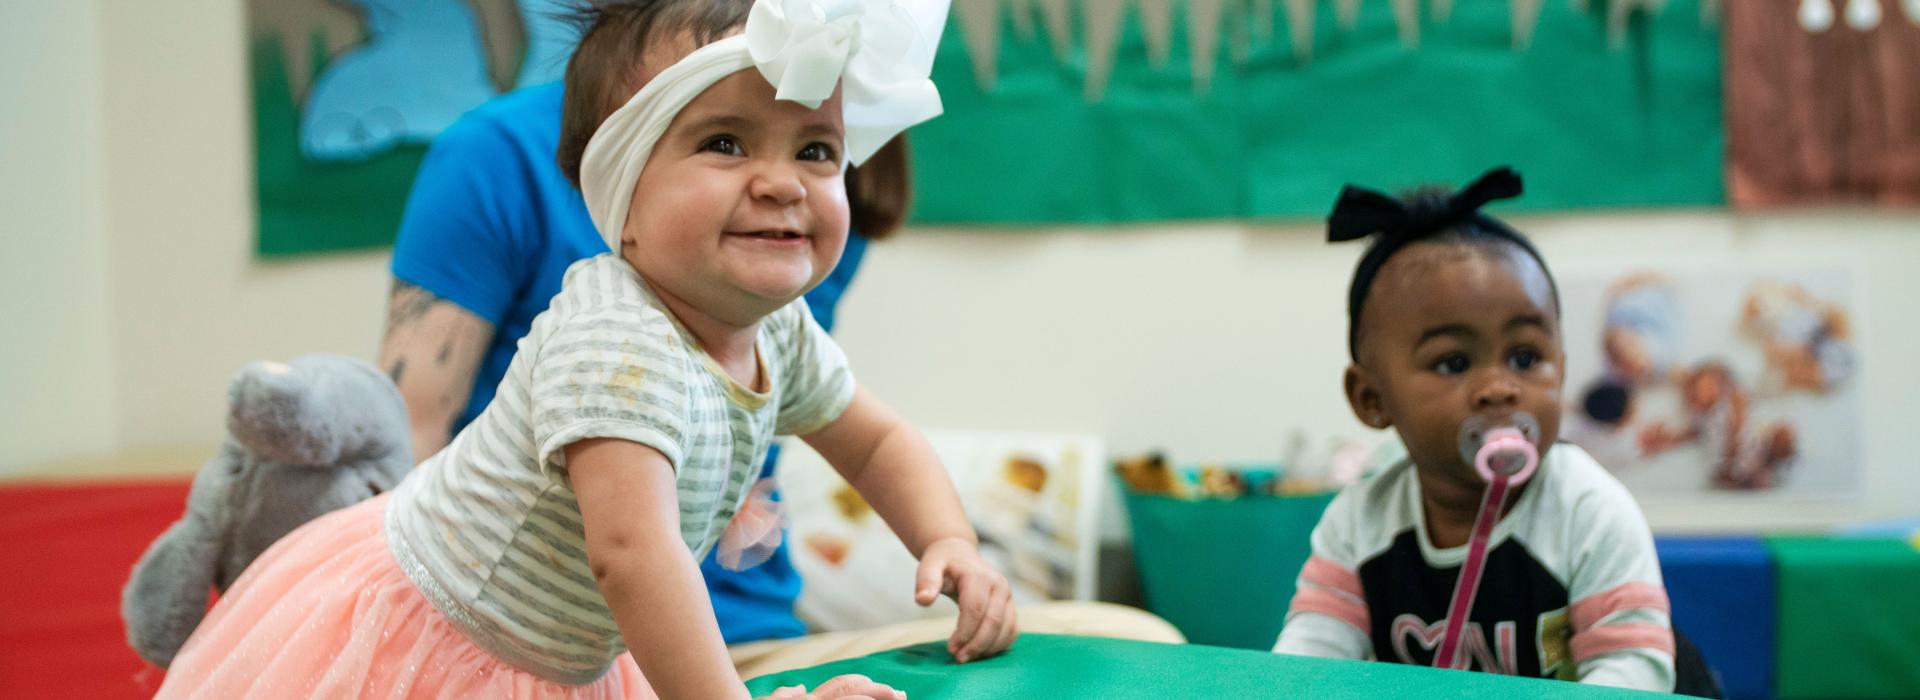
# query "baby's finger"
(1008, 634)
(992, 621)
(851, 686)
(929, 581)
(974, 599)
(1009, 631)
(840, 683)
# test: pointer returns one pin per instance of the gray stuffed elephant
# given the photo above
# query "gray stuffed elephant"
(304, 439)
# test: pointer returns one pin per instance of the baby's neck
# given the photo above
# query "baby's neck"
(729, 343)
(1450, 506)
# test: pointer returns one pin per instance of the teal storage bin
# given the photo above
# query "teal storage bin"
(1222, 570)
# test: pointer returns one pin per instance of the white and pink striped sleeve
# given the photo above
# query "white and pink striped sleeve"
(1622, 634)
(1328, 616)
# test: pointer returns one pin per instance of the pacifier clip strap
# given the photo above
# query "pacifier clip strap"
(1467, 586)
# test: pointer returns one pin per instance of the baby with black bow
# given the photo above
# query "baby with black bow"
(1454, 328)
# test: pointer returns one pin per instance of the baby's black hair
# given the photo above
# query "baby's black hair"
(1426, 214)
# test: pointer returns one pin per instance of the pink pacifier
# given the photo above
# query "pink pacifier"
(1501, 449)
(1505, 456)
(1507, 453)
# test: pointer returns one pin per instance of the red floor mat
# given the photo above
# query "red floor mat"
(65, 552)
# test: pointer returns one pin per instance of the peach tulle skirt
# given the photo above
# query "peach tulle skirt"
(328, 613)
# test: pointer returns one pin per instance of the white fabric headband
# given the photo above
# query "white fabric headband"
(879, 52)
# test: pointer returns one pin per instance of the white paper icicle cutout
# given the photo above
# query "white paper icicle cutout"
(1617, 12)
(1022, 18)
(1442, 10)
(1156, 23)
(1816, 16)
(1203, 37)
(1059, 18)
(1102, 31)
(980, 27)
(1347, 13)
(1406, 14)
(1525, 15)
(1300, 28)
(1863, 15)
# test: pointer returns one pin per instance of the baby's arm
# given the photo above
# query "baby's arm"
(1317, 634)
(631, 510)
(1328, 616)
(890, 463)
(1622, 635)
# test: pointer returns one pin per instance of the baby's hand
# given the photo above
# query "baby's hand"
(847, 687)
(987, 623)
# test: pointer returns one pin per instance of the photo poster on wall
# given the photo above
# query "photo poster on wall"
(1073, 111)
(1033, 499)
(1724, 381)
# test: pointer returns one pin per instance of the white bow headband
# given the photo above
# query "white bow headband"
(880, 53)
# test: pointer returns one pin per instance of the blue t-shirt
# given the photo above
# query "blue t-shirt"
(492, 225)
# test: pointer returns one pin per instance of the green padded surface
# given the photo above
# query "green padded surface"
(1058, 667)
(1849, 612)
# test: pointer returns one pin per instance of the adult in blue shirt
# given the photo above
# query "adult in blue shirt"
(490, 227)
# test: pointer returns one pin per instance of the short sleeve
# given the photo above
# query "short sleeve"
(603, 376)
(470, 219)
(817, 382)
(1328, 616)
(1622, 633)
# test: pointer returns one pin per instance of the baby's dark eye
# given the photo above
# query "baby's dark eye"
(817, 151)
(1451, 364)
(1524, 359)
(727, 145)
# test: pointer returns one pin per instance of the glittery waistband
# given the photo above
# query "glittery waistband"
(477, 630)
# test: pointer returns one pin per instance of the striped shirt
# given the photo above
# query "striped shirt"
(489, 527)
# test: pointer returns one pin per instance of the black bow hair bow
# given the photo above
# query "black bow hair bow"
(1362, 212)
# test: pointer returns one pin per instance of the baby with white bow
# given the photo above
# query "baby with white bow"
(564, 525)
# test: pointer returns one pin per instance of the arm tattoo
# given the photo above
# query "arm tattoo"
(419, 346)
(408, 303)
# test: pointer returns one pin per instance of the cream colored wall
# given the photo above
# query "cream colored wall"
(1212, 341)
(1207, 339)
(56, 360)
(190, 303)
